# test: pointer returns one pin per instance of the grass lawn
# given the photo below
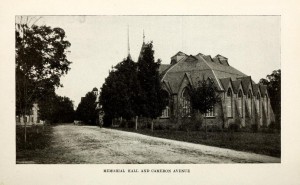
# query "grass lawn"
(38, 138)
(261, 143)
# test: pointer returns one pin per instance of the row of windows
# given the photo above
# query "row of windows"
(240, 103)
(186, 105)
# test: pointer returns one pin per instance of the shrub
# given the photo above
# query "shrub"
(213, 128)
(254, 127)
(274, 125)
(235, 127)
(158, 127)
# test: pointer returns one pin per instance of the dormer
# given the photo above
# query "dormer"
(221, 60)
(178, 56)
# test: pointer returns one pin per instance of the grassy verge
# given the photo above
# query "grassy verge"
(38, 138)
(261, 143)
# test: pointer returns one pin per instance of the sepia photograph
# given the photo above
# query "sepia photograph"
(147, 89)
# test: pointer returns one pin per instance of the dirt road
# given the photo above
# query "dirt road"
(94, 145)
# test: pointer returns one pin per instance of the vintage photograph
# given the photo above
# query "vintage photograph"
(147, 89)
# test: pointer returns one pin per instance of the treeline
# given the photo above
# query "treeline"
(86, 110)
(56, 109)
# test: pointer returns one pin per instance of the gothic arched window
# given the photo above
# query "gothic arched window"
(240, 103)
(229, 102)
(266, 103)
(166, 111)
(249, 99)
(258, 103)
(186, 102)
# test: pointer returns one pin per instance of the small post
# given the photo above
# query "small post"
(152, 125)
(25, 138)
(136, 122)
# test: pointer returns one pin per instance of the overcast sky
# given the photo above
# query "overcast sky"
(251, 43)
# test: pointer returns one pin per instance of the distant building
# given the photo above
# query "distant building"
(98, 107)
(31, 119)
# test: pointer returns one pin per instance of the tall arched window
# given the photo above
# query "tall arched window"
(186, 102)
(266, 103)
(229, 102)
(249, 99)
(166, 112)
(240, 103)
(258, 103)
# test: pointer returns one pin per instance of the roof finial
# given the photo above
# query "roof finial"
(128, 40)
(143, 36)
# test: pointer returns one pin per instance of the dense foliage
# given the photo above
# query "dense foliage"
(40, 62)
(151, 97)
(86, 110)
(119, 92)
(203, 97)
(134, 89)
(56, 109)
(273, 82)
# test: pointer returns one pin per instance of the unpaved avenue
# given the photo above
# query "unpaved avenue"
(90, 144)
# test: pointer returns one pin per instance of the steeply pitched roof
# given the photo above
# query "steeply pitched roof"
(246, 80)
(255, 89)
(179, 53)
(236, 85)
(163, 67)
(263, 89)
(225, 82)
(197, 67)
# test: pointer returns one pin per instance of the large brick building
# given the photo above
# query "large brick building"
(243, 101)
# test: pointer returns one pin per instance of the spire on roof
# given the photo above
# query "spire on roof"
(143, 45)
(128, 42)
(143, 36)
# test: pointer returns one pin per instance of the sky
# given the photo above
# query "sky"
(251, 43)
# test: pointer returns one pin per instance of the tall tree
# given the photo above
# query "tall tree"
(86, 110)
(273, 83)
(109, 98)
(126, 88)
(204, 97)
(119, 91)
(40, 62)
(151, 99)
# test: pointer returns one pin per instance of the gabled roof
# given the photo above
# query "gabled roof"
(246, 81)
(236, 85)
(263, 89)
(197, 67)
(255, 88)
(221, 57)
(179, 53)
(163, 67)
(167, 84)
(225, 82)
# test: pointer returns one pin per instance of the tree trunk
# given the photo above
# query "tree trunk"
(205, 127)
(136, 122)
(25, 133)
